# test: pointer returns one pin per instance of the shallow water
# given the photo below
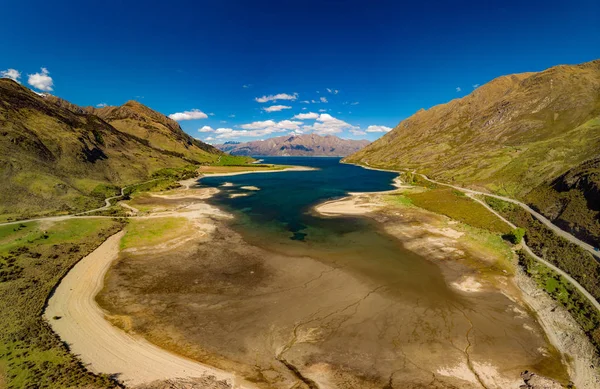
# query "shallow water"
(336, 298)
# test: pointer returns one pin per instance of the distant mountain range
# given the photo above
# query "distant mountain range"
(55, 155)
(296, 145)
(533, 136)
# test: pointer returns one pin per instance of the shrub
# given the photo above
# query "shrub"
(515, 236)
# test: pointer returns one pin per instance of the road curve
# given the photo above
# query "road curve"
(557, 230)
(75, 316)
(471, 193)
(581, 289)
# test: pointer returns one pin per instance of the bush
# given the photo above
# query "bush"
(515, 236)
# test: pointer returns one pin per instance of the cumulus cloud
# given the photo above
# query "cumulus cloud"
(41, 80)
(378, 129)
(209, 138)
(206, 129)
(333, 91)
(305, 102)
(188, 115)
(279, 96)
(13, 74)
(259, 129)
(305, 116)
(275, 108)
(101, 105)
(327, 124)
(323, 99)
(358, 132)
(458, 89)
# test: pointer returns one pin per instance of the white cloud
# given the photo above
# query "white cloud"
(355, 103)
(358, 132)
(322, 110)
(305, 102)
(259, 129)
(211, 114)
(303, 108)
(231, 116)
(333, 91)
(305, 116)
(101, 105)
(275, 108)
(41, 80)
(282, 125)
(327, 124)
(188, 115)
(378, 129)
(458, 89)
(206, 129)
(314, 101)
(13, 74)
(210, 138)
(475, 86)
(279, 96)
(323, 100)
(246, 86)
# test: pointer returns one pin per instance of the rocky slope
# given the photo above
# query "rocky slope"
(296, 145)
(510, 136)
(55, 155)
(572, 201)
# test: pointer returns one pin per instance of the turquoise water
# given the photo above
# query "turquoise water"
(285, 199)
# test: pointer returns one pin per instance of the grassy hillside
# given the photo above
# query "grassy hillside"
(57, 157)
(532, 136)
(509, 136)
(572, 201)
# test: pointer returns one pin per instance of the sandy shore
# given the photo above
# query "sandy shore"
(76, 317)
(560, 328)
(290, 169)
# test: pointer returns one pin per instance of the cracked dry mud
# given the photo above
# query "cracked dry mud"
(295, 315)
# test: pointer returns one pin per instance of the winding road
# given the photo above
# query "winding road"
(473, 193)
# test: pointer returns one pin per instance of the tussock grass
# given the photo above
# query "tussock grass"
(456, 205)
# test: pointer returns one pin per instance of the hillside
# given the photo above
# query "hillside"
(509, 136)
(296, 145)
(55, 156)
(572, 201)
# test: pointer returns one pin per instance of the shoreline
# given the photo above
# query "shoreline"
(558, 325)
(290, 169)
(76, 317)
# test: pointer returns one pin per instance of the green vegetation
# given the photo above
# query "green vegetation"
(33, 259)
(572, 201)
(58, 158)
(149, 232)
(103, 191)
(562, 291)
(455, 205)
(233, 160)
(567, 256)
(511, 135)
(398, 199)
(515, 236)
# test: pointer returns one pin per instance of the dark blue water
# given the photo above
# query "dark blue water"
(285, 199)
(280, 219)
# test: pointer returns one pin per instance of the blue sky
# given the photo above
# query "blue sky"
(362, 66)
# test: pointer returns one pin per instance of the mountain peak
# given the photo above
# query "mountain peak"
(296, 145)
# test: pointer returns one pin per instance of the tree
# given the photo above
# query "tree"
(515, 236)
